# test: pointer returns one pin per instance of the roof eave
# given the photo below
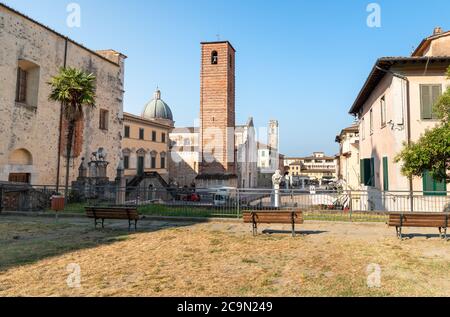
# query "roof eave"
(58, 34)
(386, 63)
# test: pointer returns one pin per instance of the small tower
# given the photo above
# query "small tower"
(273, 140)
(273, 134)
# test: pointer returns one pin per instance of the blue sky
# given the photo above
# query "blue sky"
(301, 62)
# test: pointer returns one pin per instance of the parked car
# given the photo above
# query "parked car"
(193, 197)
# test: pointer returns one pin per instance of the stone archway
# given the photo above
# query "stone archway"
(20, 164)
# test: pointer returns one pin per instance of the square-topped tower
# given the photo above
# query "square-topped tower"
(217, 111)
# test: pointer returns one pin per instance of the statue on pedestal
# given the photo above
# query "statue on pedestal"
(276, 181)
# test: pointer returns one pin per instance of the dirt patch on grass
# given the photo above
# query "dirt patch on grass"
(223, 259)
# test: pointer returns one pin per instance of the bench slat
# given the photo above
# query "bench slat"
(120, 213)
(434, 220)
(279, 217)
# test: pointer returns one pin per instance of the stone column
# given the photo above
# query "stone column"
(82, 170)
(120, 184)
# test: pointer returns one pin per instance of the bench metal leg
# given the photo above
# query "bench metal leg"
(135, 225)
(255, 229)
(103, 223)
(443, 233)
(95, 223)
(293, 230)
(399, 232)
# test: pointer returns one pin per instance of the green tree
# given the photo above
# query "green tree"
(75, 89)
(432, 151)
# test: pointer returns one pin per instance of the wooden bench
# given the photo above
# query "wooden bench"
(119, 213)
(292, 217)
(421, 220)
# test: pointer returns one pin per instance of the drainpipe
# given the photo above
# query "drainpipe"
(408, 130)
(60, 123)
(408, 118)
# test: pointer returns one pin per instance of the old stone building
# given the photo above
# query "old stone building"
(31, 137)
(145, 144)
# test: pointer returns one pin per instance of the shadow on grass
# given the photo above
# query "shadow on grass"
(300, 232)
(26, 240)
(410, 236)
(161, 210)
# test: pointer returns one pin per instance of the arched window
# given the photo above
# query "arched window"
(141, 152)
(153, 155)
(126, 158)
(214, 57)
(21, 157)
(163, 160)
(21, 163)
(140, 161)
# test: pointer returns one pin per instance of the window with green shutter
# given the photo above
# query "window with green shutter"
(429, 95)
(367, 169)
(372, 172)
(385, 174)
(431, 187)
(361, 171)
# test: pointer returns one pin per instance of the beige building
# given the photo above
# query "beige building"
(145, 144)
(395, 106)
(348, 169)
(184, 156)
(247, 155)
(317, 167)
(31, 137)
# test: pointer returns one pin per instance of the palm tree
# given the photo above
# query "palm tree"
(74, 89)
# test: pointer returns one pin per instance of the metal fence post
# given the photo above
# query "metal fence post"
(1, 198)
(238, 203)
(350, 205)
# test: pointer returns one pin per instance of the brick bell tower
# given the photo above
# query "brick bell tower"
(217, 115)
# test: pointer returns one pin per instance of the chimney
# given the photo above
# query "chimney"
(437, 30)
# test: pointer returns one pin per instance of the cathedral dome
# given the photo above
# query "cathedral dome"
(157, 108)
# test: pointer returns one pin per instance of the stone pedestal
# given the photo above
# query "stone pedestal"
(276, 181)
(120, 185)
(92, 181)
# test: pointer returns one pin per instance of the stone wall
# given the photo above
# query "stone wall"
(36, 128)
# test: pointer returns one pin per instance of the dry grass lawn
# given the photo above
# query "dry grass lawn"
(218, 259)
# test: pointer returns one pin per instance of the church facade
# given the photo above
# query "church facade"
(31, 129)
